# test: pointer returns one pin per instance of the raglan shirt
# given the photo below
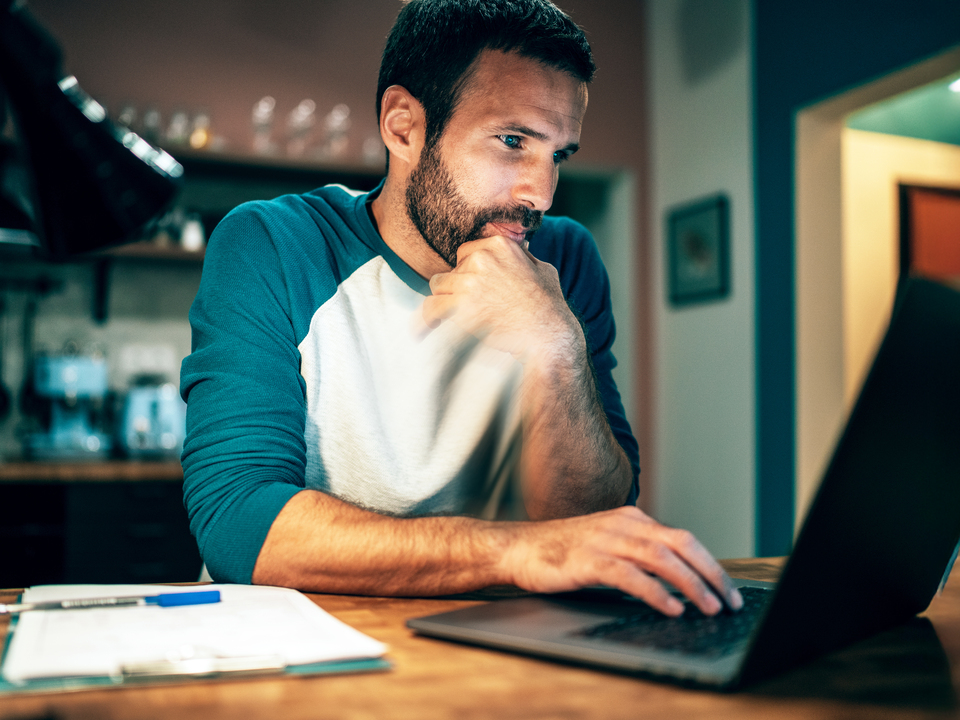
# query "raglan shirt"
(309, 369)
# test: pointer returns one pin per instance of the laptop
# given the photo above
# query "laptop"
(875, 546)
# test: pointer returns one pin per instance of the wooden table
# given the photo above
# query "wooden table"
(905, 673)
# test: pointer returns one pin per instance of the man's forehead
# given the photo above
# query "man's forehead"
(501, 82)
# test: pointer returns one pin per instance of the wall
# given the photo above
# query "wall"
(222, 56)
(701, 144)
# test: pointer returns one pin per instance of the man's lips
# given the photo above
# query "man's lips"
(517, 233)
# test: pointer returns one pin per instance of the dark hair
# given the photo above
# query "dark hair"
(434, 42)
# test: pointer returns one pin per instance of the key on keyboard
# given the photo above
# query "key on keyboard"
(692, 632)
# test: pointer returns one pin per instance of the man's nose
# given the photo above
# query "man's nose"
(535, 184)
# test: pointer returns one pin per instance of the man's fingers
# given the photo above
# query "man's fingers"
(437, 308)
(440, 283)
(677, 557)
(693, 553)
(495, 244)
(654, 557)
(627, 577)
(455, 282)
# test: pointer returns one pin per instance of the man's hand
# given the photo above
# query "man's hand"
(501, 293)
(622, 548)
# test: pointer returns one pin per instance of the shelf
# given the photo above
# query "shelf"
(146, 250)
(90, 471)
(213, 185)
(273, 163)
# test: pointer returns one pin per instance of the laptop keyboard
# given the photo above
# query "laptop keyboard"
(693, 632)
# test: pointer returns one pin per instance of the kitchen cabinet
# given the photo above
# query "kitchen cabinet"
(110, 522)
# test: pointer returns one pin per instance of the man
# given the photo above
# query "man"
(379, 380)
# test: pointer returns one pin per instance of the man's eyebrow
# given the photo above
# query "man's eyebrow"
(536, 135)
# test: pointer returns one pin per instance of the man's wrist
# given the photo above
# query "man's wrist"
(484, 551)
(560, 351)
(507, 537)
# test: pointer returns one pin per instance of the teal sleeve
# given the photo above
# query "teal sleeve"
(244, 455)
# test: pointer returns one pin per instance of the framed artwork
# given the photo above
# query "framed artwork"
(698, 251)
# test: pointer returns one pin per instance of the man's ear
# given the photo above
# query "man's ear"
(402, 125)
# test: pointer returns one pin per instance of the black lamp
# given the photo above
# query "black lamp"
(94, 184)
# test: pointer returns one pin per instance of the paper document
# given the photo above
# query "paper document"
(250, 622)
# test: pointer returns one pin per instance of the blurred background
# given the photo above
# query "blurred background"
(828, 133)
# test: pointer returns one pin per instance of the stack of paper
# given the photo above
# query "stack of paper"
(251, 628)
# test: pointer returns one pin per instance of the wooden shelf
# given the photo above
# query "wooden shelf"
(146, 250)
(91, 471)
(190, 158)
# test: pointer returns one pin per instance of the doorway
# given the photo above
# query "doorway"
(847, 253)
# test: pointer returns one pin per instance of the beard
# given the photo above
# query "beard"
(445, 218)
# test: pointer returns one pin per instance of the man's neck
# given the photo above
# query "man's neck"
(389, 214)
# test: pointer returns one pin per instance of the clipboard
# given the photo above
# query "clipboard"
(348, 652)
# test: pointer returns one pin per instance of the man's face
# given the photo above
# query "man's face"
(493, 171)
(446, 219)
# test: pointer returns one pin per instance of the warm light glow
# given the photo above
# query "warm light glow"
(199, 138)
(955, 85)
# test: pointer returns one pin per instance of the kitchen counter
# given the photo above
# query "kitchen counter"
(87, 471)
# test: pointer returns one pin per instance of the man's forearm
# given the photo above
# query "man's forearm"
(572, 463)
(322, 544)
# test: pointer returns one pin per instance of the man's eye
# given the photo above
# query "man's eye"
(511, 141)
(560, 156)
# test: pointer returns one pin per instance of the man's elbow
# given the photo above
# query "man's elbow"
(572, 498)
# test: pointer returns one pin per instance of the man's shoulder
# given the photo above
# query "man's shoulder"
(336, 199)
(561, 239)
(330, 215)
(319, 235)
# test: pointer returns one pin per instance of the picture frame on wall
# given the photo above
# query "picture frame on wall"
(698, 251)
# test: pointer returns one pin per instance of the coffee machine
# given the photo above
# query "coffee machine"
(73, 388)
(154, 420)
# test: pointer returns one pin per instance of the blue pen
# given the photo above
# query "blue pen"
(201, 597)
